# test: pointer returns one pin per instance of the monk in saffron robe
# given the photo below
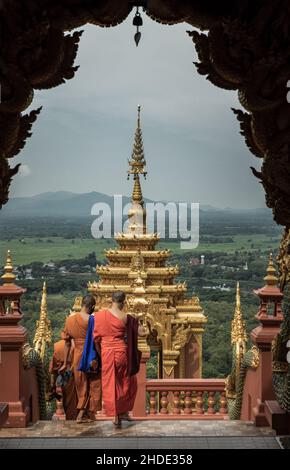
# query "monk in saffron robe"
(119, 384)
(88, 385)
(69, 396)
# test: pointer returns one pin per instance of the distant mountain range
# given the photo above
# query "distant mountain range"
(69, 204)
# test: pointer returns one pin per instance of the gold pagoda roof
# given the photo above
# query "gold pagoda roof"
(136, 264)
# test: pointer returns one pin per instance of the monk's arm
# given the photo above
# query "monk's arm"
(67, 347)
(68, 340)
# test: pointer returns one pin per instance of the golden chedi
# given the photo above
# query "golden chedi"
(176, 324)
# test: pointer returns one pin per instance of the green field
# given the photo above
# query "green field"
(246, 242)
(28, 250)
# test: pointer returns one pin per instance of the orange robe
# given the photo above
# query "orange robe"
(88, 385)
(69, 396)
(118, 388)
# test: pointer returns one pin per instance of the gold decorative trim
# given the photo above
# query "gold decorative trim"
(256, 357)
(279, 366)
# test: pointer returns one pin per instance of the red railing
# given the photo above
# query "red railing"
(180, 399)
(186, 399)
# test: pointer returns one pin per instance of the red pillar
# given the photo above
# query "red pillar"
(258, 385)
(139, 410)
(12, 338)
(262, 337)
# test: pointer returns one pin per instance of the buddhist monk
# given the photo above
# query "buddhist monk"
(115, 335)
(88, 384)
(69, 396)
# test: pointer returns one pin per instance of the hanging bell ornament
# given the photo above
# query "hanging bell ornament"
(137, 37)
(137, 20)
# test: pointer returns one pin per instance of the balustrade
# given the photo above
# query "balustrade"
(186, 399)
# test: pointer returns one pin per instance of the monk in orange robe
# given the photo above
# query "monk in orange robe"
(119, 388)
(88, 384)
(69, 396)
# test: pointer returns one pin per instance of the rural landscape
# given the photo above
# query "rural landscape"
(234, 246)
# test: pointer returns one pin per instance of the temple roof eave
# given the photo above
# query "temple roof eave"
(112, 271)
(192, 317)
(173, 288)
(133, 237)
(269, 291)
(117, 254)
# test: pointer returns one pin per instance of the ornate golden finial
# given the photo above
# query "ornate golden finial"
(137, 163)
(137, 213)
(271, 278)
(238, 324)
(8, 276)
(44, 297)
(238, 297)
(43, 333)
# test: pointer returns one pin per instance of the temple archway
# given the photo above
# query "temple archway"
(244, 50)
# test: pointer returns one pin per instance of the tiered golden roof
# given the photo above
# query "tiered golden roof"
(140, 270)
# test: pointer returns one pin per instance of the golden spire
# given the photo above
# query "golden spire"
(8, 276)
(137, 196)
(43, 333)
(137, 213)
(137, 163)
(271, 278)
(238, 324)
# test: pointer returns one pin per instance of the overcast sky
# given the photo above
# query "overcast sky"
(84, 135)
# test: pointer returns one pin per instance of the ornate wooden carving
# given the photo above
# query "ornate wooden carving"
(245, 49)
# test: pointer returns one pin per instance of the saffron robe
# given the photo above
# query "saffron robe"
(69, 395)
(119, 388)
(88, 386)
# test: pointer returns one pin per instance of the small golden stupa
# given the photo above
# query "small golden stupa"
(141, 271)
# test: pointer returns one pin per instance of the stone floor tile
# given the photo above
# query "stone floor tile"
(3, 443)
